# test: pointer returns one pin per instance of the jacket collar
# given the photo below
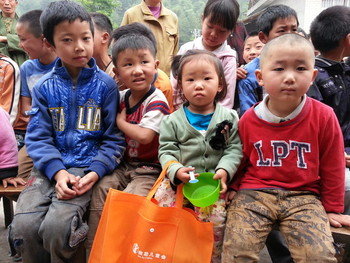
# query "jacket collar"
(146, 12)
(16, 16)
(332, 65)
(85, 74)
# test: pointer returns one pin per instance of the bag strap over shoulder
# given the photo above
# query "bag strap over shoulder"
(179, 194)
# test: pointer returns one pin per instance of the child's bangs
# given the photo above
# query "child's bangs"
(221, 20)
(223, 15)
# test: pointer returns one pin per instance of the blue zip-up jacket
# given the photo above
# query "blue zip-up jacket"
(73, 125)
(249, 91)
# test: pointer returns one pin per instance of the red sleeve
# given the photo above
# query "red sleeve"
(332, 165)
(238, 176)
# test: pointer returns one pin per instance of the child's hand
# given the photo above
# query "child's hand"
(338, 220)
(347, 160)
(14, 181)
(64, 185)
(86, 183)
(241, 73)
(121, 117)
(230, 194)
(221, 174)
(183, 174)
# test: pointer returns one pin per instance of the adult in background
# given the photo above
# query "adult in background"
(9, 41)
(164, 25)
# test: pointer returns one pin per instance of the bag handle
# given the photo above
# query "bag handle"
(159, 180)
(179, 194)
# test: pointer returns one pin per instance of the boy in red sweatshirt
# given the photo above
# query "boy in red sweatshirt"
(293, 162)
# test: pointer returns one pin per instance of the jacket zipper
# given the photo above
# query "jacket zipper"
(72, 117)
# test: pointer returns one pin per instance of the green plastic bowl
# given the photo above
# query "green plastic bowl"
(205, 192)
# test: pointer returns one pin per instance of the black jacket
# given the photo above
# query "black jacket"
(332, 87)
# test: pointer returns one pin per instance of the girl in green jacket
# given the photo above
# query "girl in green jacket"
(201, 134)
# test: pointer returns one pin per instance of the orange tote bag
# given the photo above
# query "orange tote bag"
(134, 229)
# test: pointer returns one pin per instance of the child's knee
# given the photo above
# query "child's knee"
(325, 253)
(23, 226)
(65, 232)
(99, 195)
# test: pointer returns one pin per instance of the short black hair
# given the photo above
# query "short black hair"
(272, 13)
(32, 19)
(175, 64)
(60, 11)
(136, 29)
(102, 22)
(222, 12)
(329, 27)
(133, 42)
(251, 34)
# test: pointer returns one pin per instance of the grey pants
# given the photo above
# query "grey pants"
(44, 228)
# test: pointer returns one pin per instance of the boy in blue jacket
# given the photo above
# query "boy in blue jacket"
(276, 20)
(71, 138)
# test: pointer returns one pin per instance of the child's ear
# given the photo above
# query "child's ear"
(43, 44)
(105, 38)
(263, 38)
(48, 45)
(220, 86)
(347, 45)
(156, 63)
(115, 70)
(259, 78)
(314, 75)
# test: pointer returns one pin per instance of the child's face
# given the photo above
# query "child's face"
(200, 85)
(73, 44)
(280, 27)
(136, 69)
(252, 48)
(32, 45)
(213, 35)
(287, 73)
